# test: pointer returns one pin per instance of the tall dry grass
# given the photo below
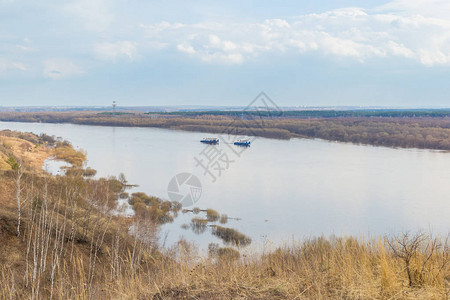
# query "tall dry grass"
(320, 268)
(69, 244)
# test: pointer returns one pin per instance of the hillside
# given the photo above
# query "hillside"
(61, 238)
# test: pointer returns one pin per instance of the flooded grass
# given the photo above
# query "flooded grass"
(212, 215)
(199, 225)
(223, 219)
(65, 151)
(153, 208)
(231, 236)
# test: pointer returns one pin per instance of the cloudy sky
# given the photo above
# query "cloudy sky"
(172, 52)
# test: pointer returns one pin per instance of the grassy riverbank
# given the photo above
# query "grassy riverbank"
(61, 238)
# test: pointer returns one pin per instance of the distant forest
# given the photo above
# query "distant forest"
(427, 129)
(392, 113)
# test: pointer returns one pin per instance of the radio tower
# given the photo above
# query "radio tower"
(114, 104)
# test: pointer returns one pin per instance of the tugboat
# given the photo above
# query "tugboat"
(211, 141)
(242, 142)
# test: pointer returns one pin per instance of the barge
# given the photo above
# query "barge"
(242, 142)
(211, 141)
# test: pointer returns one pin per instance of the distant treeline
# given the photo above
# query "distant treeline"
(406, 132)
(119, 113)
(393, 113)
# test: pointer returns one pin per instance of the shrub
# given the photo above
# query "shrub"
(70, 155)
(89, 172)
(13, 162)
(212, 215)
(199, 225)
(144, 198)
(73, 171)
(223, 219)
(123, 195)
(50, 140)
(115, 185)
(231, 236)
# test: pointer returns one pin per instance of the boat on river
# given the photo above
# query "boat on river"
(211, 141)
(242, 142)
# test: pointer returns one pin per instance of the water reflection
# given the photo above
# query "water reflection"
(55, 167)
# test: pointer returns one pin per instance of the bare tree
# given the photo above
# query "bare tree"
(409, 247)
(19, 173)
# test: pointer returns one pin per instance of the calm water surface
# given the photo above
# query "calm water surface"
(282, 190)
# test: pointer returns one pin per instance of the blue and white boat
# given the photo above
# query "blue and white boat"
(211, 141)
(242, 142)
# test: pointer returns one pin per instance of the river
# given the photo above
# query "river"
(281, 190)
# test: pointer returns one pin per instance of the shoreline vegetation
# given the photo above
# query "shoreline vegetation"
(403, 129)
(62, 238)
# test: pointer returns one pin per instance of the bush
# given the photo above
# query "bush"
(199, 225)
(223, 219)
(231, 236)
(89, 172)
(212, 215)
(13, 163)
(144, 198)
(50, 140)
(70, 155)
(123, 195)
(115, 185)
(73, 171)
(155, 209)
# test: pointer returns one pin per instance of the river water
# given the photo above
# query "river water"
(281, 190)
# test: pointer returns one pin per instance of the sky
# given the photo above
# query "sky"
(223, 53)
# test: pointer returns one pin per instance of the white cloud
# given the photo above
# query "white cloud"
(59, 68)
(19, 66)
(439, 9)
(231, 58)
(6, 66)
(416, 30)
(186, 48)
(95, 15)
(116, 50)
(394, 30)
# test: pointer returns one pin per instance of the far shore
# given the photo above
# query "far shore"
(407, 129)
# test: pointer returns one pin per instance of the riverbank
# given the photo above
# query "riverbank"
(402, 132)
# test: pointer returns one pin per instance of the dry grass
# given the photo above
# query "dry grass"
(317, 269)
(33, 156)
(128, 267)
(70, 246)
(70, 155)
